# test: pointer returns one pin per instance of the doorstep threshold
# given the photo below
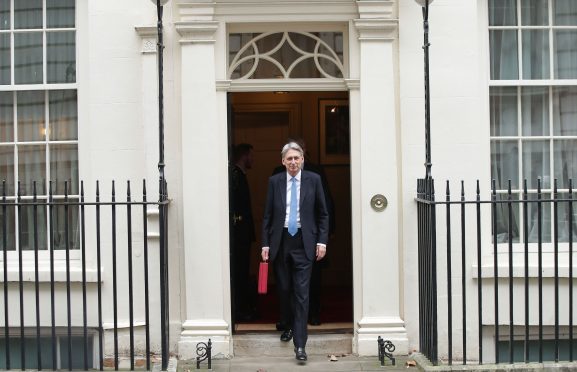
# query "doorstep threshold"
(334, 327)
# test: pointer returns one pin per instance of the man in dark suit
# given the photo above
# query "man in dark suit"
(242, 232)
(316, 276)
(294, 235)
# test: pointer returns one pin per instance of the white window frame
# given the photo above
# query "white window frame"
(519, 138)
(28, 256)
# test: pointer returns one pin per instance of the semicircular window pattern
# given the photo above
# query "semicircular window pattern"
(286, 55)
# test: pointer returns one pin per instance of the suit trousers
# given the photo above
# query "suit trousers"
(293, 273)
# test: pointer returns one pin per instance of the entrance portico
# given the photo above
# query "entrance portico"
(370, 30)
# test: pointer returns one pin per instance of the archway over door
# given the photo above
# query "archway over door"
(267, 120)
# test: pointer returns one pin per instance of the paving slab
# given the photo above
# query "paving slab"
(315, 363)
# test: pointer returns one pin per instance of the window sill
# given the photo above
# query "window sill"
(548, 270)
(29, 273)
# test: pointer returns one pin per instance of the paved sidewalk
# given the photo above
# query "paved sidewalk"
(315, 363)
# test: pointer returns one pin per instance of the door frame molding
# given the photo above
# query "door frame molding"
(289, 85)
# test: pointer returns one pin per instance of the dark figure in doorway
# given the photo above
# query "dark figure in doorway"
(242, 230)
(316, 279)
(295, 232)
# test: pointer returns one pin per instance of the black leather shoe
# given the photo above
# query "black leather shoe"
(314, 320)
(287, 335)
(280, 326)
(300, 354)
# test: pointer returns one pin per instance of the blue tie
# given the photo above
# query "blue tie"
(292, 222)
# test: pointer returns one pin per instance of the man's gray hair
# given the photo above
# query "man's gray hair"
(291, 146)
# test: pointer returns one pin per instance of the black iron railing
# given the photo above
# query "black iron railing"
(61, 279)
(506, 239)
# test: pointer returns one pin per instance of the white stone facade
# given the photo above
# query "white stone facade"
(118, 116)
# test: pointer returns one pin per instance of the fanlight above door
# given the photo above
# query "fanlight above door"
(286, 55)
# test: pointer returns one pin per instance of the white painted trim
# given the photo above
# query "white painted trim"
(371, 9)
(288, 26)
(29, 273)
(196, 31)
(148, 34)
(286, 11)
(377, 29)
(289, 85)
(202, 327)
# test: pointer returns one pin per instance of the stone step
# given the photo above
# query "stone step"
(269, 344)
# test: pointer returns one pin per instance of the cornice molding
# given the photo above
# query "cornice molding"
(195, 10)
(376, 9)
(286, 11)
(266, 10)
(148, 34)
(377, 29)
(196, 31)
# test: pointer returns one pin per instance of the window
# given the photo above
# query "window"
(286, 55)
(533, 106)
(31, 359)
(38, 121)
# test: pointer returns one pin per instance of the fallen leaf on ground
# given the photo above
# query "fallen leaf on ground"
(411, 363)
(334, 358)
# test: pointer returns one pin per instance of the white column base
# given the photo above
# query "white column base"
(195, 331)
(389, 328)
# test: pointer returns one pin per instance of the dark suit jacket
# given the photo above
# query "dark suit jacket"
(315, 168)
(313, 213)
(240, 207)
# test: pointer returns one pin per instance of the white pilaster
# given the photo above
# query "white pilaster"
(205, 204)
(375, 170)
(149, 105)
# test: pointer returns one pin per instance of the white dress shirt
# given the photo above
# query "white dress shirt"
(289, 183)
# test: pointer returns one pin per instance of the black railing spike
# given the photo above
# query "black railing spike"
(36, 275)
(525, 186)
(462, 190)
(570, 206)
(128, 190)
(144, 189)
(82, 188)
(510, 267)
(65, 190)
(97, 189)
(448, 191)
(5, 267)
(556, 266)
(478, 189)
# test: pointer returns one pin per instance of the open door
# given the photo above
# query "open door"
(267, 121)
